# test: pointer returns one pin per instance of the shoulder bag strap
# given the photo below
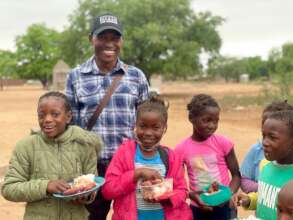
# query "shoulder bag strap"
(105, 100)
(163, 152)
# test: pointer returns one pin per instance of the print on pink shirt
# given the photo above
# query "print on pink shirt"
(204, 170)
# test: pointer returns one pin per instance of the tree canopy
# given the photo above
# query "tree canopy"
(163, 37)
(7, 63)
(281, 67)
(37, 52)
(230, 68)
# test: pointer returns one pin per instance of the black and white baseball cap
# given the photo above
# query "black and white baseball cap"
(106, 22)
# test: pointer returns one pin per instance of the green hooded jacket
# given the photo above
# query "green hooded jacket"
(36, 160)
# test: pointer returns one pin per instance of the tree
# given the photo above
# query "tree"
(256, 67)
(230, 68)
(287, 50)
(160, 36)
(37, 52)
(281, 60)
(274, 55)
(7, 65)
(281, 67)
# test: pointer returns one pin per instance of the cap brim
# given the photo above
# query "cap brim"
(100, 30)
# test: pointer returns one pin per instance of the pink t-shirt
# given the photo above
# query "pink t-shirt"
(205, 161)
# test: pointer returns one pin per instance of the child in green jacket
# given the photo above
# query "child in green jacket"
(44, 162)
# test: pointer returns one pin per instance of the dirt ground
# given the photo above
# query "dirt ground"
(241, 124)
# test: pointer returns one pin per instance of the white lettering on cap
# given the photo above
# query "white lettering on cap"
(108, 19)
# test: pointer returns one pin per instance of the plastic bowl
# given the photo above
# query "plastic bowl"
(157, 190)
(214, 199)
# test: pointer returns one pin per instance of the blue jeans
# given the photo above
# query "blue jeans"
(218, 213)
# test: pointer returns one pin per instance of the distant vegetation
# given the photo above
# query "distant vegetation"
(161, 37)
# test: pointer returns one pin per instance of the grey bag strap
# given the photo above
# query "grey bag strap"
(163, 152)
(105, 100)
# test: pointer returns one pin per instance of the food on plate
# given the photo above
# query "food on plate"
(151, 182)
(217, 194)
(155, 188)
(80, 184)
(214, 187)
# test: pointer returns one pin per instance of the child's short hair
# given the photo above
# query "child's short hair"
(154, 103)
(199, 103)
(285, 116)
(278, 106)
(57, 95)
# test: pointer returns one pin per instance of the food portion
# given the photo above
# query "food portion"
(81, 184)
(214, 187)
(151, 182)
(152, 189)
(215, 194)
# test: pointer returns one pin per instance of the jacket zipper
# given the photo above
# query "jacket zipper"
(59, 177)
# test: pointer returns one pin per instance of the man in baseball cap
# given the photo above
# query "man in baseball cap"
(86, 87)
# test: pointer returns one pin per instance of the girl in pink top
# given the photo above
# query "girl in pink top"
(208, 157)
(145, 159)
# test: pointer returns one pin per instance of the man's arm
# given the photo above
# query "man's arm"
(70, 92)
(143, 87)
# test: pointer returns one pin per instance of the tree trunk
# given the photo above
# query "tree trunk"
(1, 83)
(45, 84)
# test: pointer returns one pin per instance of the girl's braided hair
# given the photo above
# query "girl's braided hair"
(57, 95)
(154, 103)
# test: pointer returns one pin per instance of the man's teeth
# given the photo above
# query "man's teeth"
(109, 52)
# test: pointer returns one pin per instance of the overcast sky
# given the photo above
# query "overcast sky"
(17, 15)
(252, 27)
